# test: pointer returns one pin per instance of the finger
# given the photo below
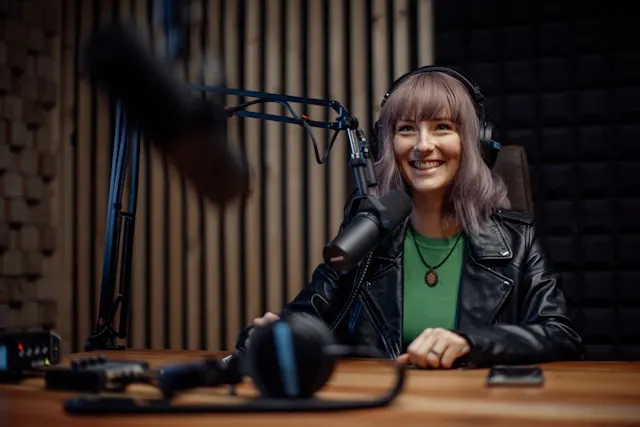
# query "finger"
(436, 339)
(271, 317)
(403, 359)
(266, 319)
(419, 340)
(417, 349)
(435, 353)
(449, 356)
(419, 354)
(259, 321)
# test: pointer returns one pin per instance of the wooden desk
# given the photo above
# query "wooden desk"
(594, 394)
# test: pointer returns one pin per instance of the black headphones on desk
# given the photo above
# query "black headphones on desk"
(289, 361)
(488, 147)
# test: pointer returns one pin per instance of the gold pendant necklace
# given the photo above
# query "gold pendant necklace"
(431, 276)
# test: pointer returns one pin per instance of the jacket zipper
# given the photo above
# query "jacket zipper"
(352, 296)
(365, 304)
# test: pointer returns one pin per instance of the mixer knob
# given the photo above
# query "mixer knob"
(74, 364)
(102, 359)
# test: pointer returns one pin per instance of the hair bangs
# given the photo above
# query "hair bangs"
(423, 97)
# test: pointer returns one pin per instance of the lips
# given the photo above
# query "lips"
(425, 165)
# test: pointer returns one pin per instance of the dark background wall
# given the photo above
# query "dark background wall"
(561, 78)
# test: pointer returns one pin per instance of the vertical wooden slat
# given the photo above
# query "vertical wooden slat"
(159, 238)
(426, 55)
(136, 319)
(101, 169)
(231, 259)
(194, 240)
(214, 304)
(337, 90)
(274, 168)
(402, 58)
(314, 171)
(381, 38)
(358, 40)
(295, 52)
(138, 265)
(253, 70)
(174, 250)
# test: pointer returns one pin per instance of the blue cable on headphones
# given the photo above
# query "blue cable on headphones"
(283, 342)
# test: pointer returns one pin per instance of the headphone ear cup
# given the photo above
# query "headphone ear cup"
(286, 359)
(486, 132)
(488, 147)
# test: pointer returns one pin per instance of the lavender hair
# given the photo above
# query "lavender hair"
(476, 191)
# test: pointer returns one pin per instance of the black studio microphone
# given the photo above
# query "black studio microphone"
(190, 130)
(367, 229)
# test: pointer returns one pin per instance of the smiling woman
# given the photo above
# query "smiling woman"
(432, 117)
(464, 281)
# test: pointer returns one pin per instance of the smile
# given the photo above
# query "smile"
(429, 165)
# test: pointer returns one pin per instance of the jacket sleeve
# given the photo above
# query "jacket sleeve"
(313, 299)
(545, 332)
(323, 295)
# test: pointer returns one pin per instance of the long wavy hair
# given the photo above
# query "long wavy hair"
(476, 191)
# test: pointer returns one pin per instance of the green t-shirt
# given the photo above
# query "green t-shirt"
(424, 306)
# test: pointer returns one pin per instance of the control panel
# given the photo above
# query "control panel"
(95, 374)
(23, 350)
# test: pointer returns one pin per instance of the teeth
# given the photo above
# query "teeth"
(426, 165)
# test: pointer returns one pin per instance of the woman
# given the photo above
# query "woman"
(464, 281)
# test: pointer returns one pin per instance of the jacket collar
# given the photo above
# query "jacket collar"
(490, 244)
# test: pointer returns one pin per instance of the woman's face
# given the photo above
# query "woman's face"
(427, 153)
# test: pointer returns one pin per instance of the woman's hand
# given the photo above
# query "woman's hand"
(266, 319)
(435, 348)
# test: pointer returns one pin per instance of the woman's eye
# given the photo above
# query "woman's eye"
(443, 126)
(404, 128)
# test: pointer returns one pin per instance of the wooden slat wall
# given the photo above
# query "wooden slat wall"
(201, 273)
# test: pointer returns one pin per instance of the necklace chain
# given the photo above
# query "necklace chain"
(431, 276)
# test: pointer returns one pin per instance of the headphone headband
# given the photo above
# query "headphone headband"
(472, 88)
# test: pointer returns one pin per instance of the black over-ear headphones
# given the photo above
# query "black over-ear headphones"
(289, 361)
(488, 146)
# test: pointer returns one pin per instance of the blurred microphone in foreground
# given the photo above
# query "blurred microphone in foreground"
(188, 129)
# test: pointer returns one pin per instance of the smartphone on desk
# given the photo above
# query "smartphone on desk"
(515, 376)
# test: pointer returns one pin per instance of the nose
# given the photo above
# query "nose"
(425, 141)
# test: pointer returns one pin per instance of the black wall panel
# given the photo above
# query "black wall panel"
(562, 79)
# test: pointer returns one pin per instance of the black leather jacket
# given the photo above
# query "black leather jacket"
(511, 307)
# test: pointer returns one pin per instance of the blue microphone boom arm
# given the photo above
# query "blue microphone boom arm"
(121, 220)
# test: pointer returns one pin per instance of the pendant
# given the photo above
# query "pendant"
(431, 278)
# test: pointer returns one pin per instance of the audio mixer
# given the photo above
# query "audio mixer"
(25, 350)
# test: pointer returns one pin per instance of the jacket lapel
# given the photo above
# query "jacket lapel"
(483, 290)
